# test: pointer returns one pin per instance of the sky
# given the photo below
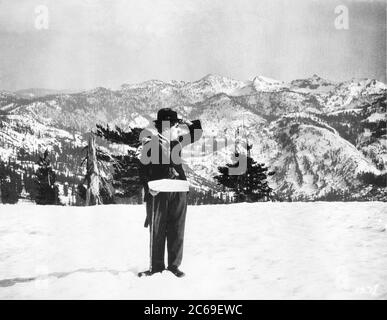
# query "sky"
(90, 43)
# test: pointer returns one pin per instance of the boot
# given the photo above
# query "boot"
(149, 273)
(175, 270)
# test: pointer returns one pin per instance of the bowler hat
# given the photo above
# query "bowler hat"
(167, 114)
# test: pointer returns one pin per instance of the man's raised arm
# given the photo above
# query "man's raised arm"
(194, 134)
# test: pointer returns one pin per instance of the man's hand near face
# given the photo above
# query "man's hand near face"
(187, 122)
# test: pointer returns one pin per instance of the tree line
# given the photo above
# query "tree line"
(110, 178)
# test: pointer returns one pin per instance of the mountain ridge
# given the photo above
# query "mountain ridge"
(262, 110)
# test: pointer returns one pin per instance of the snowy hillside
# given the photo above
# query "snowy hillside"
(349, 94)
(261, 83)
(264, 251)
(338, 128)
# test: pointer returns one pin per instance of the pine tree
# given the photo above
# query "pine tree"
(126, 178)
(251, 185)
(47, 190)
(8, 183)
(119, 136)
(99, 189)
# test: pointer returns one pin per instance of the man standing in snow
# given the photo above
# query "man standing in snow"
(166, 211)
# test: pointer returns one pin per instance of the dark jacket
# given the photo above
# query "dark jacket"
(161, 170)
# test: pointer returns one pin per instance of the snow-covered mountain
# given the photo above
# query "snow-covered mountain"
(314, 83)
(351, 94)
(261, 83)
(315, 134)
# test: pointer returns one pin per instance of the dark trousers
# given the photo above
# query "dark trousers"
(166, 223)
